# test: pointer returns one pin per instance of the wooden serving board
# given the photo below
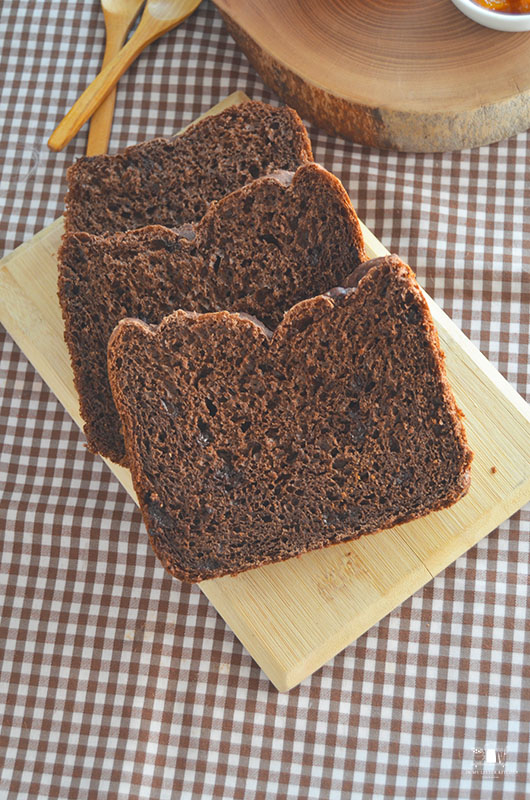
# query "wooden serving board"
(412, 75)
(295, 616)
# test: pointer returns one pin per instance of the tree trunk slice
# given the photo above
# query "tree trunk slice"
(411, 75)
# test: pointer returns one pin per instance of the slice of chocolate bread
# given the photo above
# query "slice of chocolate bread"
(259, 250)
(248, 447)
(172, 181)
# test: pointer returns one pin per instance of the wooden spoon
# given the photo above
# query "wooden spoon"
(158, 18)
(119, 16)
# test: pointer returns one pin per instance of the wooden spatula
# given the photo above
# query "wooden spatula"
(159, 16)
(119, 16)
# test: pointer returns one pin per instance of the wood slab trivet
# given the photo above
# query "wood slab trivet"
(412, 75)
(295, 616)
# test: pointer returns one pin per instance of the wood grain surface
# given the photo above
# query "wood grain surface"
(402, 74)
(295, 616)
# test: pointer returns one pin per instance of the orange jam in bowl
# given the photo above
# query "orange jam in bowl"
(506, 6)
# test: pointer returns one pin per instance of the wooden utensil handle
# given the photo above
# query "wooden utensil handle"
(92, 97)
(103, 84)
(101, 122)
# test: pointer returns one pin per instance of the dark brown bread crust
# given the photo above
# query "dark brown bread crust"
(248, 447)
(259, 250)
(172, 181)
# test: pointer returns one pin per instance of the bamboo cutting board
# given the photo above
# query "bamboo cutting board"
(295, 616)
(412, 75)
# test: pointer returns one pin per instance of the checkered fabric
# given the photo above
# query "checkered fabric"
(118, 682)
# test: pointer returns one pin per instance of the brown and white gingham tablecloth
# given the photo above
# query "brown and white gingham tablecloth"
(117, 681)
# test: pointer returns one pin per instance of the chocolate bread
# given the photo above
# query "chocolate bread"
(249, 447)
(259, 250)
(172, 181)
